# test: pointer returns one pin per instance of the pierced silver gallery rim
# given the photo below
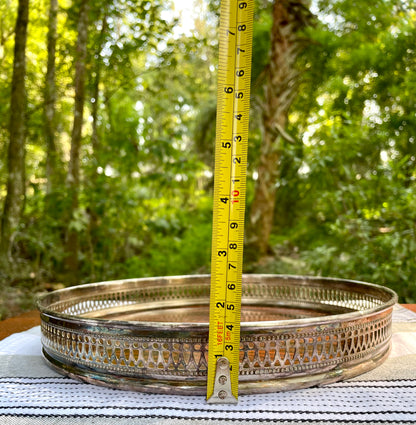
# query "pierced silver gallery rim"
(151, 334)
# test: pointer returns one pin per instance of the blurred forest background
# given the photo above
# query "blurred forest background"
(107, 128)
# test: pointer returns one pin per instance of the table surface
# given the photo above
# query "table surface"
(33, 394)
(19, 323)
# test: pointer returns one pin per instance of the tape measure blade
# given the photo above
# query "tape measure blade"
(233, 104)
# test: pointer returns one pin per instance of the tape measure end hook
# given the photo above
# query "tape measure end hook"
(222, 385)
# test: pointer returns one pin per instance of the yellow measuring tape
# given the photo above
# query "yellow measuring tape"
(233, 105)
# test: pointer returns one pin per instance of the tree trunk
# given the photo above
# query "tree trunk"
(287, 195)
(73, 178)
(289, 17)
(96, 143)
(13, 206)
(50, 100)
(96, 88)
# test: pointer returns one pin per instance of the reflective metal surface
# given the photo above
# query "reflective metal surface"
(152, 334)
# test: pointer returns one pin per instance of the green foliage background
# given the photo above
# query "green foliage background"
(346, 202)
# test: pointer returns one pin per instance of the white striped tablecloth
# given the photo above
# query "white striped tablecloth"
(31, 393)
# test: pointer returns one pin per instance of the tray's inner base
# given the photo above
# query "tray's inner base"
(200, 313)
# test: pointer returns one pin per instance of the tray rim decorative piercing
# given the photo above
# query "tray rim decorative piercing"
(335, 329)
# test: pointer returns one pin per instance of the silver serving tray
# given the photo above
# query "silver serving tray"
(152, 334)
